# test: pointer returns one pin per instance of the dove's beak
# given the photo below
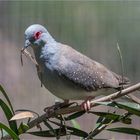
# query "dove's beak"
(27, 44)
(23, 50)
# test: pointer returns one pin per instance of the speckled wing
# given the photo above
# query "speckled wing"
(85, 72)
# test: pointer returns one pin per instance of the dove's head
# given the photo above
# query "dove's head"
(37, 36)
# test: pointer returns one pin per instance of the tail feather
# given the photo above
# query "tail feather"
(123, 81)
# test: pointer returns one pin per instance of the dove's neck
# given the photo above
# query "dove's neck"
(46, 53)
(48, 38)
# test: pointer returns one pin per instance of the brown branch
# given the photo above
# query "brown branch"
(73, 109)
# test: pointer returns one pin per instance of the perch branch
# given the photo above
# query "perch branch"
(73, 109)
(78, 108)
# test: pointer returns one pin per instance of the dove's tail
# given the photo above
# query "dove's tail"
(123, 81)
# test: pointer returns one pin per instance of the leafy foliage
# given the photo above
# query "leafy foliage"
(59, 128)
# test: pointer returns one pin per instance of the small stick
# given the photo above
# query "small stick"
(27, 54)
(122, 66)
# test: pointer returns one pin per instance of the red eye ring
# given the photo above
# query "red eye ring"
(37, 35)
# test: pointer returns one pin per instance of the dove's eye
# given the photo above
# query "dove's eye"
(37, 35)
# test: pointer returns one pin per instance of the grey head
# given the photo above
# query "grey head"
(36, 36)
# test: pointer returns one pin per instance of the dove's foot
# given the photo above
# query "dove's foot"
(86, 105)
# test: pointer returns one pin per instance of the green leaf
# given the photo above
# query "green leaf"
(75, 124)
(4, 133)
(73, 131)
(75, 115)
(8, 115)
(130, 108)
(99, 120)
(112, 116)
(23, 128)
(48, 133)
(111, 104)
(125, 130)
(9, 131)
(108, 115)
(50, 127)
(7, 98)
(77, 132)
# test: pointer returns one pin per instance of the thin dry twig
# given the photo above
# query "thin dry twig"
(27, 54)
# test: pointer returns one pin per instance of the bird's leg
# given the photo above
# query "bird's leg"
(86, 105)
(62, 104)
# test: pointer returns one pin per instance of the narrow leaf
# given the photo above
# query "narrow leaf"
(129, 108)
(77, 132)
(75, 115)
(9, 131)
(22, 115)
(125, 130)
(50, 128)
(75, 124)
(23, 128)
(7, 98)
(108, 115)
(111, 104)
(99, 120)
(48, 133)
(73, 131)
(8, 115)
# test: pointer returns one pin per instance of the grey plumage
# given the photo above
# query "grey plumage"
(67, 73)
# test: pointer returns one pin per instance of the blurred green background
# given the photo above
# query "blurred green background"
(91, 27)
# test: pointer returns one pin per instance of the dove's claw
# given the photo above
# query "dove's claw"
(86, 105)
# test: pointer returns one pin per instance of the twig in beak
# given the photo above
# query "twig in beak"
(21, 52)
(27, 54)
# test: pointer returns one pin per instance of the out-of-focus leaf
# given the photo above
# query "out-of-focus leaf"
(99, 120)
(125, 130)
(108, 115)
(101, 124)
(4, 133)
(72, 130)
(8, 115)
(112, 116)
(51, 128)
(75, 115)
(130, 108)
(77, 132)
(111, 104)
(48, 133)
(22, 115)
(9, 131)
(23, 128)
(75, 124)
(24, 110)
(7, 98)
